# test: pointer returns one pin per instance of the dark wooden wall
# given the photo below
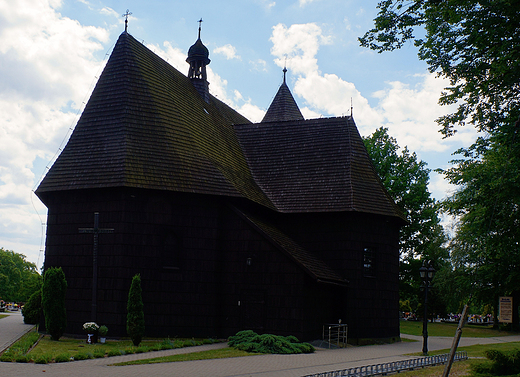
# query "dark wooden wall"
(207, 272)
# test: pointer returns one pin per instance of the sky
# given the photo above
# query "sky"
(53, 51)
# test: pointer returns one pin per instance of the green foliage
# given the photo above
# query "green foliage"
(406, 179)
(43, 359)
(32, 310)
(502, 363)
(103, 331)
(474, 44)
(250, 341)
(53, 302)
(62, 358)
(19, 279)
(135, 309)
(19, 350)
(487, 205)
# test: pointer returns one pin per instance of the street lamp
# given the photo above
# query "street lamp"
(426, 272)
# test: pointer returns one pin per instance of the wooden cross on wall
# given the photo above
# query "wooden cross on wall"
(96, 230)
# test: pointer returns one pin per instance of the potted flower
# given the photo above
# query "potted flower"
(91, 329)
(103, 330)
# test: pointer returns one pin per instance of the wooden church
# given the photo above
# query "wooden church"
(280, 227)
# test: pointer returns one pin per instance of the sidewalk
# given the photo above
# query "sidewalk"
(322, 360)
(12, 328)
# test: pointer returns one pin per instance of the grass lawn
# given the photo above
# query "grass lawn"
(448, 329)
(461, 368)
(203, 355)
(3, 315)
(67, 349)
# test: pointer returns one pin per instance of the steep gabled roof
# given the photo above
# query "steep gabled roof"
(283, 107)
(146, 126)
(316, 165)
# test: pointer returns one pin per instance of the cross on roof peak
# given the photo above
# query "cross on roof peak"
(128, 13)
(200, 25)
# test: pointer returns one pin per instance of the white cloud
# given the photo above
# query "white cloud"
(258, 65)
(408, 112)
(297, 46)
(47, 68)
(228, 51)
(305, 2)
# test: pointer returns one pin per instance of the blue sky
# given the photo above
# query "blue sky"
(52, 52)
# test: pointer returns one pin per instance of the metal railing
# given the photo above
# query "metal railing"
(335, 334)
(393, 367)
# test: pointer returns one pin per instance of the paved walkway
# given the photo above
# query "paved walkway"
(12, 328)
(255, 366)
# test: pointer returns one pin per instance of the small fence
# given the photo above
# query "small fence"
(335, 334)
(393, 367)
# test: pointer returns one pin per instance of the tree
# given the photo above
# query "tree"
(53, 301)
(474, 44)
(406, 180)
(135, 308)
(19, 278)
(487, 205)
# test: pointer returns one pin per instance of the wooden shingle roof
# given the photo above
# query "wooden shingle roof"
(283, 107)
(317, 165)
(146, 126)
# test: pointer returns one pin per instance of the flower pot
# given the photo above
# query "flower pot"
(92, 338)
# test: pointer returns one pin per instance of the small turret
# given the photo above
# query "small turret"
(198, 59)
(283, 107)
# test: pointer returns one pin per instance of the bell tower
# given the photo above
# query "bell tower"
(198, 59)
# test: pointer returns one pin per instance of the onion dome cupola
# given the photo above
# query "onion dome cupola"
(198, 59)
(283, 107)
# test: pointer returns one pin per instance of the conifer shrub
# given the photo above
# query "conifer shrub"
(502, 364)
(32, 309)
(135, 312)
(250, 341)
(53, 302)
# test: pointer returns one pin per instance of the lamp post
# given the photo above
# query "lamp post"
(426, 272)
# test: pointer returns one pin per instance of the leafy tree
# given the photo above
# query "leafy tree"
(53, 301)
(135, 308)
(19, 278)
(486, 245)
(474, 44)
(406, 180)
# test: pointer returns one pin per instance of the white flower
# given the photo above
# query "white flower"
(90, 326)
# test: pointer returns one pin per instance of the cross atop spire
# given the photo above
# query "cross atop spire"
(200, 25)
(128, 13)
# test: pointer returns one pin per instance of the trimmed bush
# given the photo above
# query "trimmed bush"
(250, 341)
(135, 315)
(32, 310)
(53, 302)
(502, 364)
